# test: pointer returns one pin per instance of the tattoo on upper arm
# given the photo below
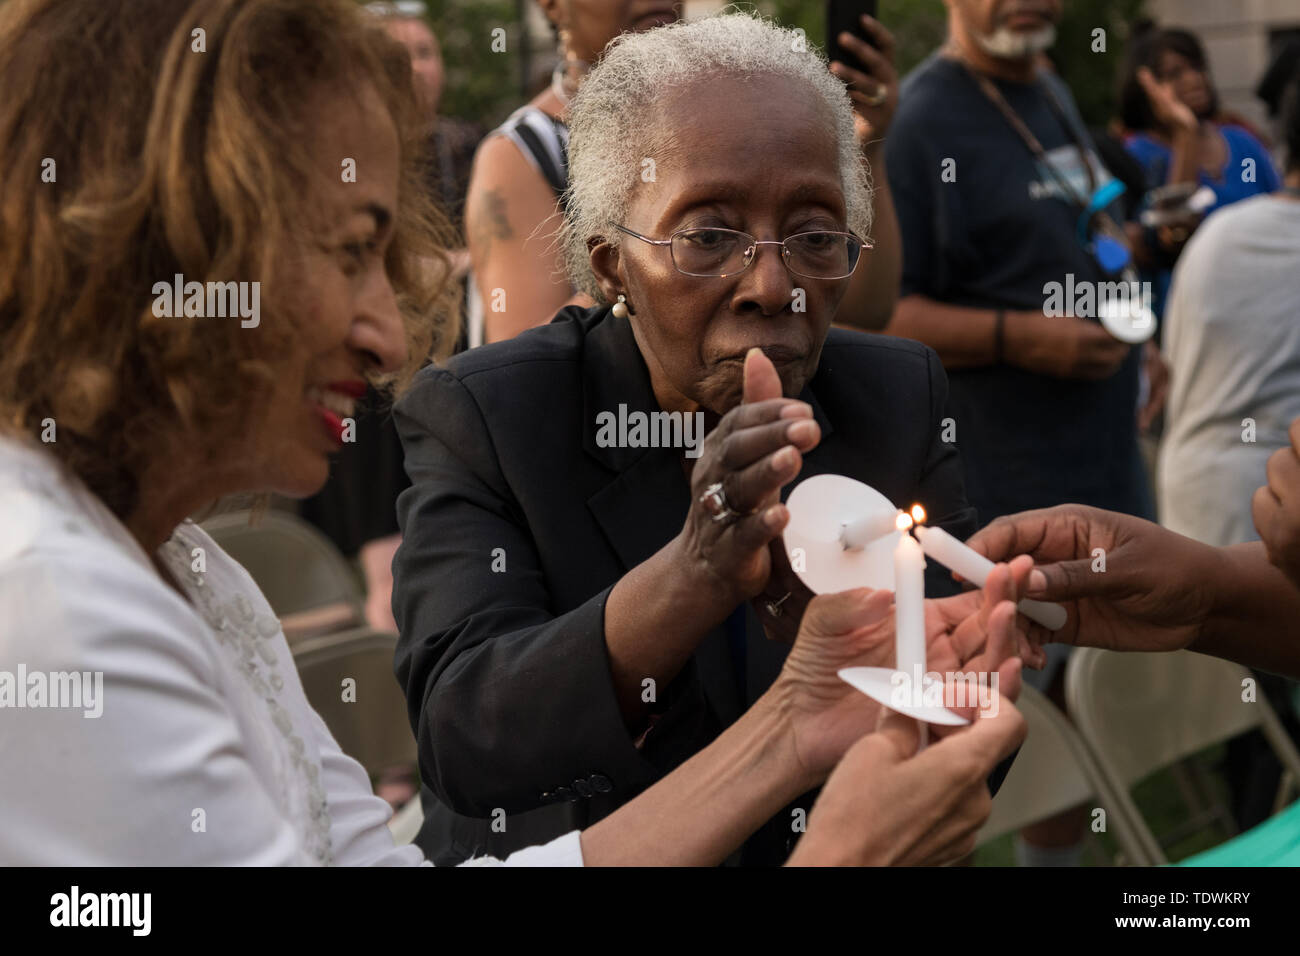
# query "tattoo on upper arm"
(490, 223)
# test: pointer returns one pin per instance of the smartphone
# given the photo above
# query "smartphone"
(845, 16)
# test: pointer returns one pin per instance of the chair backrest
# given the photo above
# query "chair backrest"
(368, 717)
(1144, 712)
(297, 567)
(1053, 771)
(1139, 713)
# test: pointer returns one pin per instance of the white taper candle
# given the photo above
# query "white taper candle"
(975, 568)
(857, 534)
(909, 607)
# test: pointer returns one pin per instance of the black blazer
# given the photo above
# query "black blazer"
(516, 527)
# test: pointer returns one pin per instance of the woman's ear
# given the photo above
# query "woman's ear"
(607, 265)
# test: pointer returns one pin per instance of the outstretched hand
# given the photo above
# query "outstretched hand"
(974, 632)
(1127, 584)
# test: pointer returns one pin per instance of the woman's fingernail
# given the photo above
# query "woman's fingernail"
(1037, 581)
(797, 410)
(800, 431)
(772, 516)
(784, 458)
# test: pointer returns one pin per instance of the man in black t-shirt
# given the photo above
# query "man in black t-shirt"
(991, 168)
(985, 228)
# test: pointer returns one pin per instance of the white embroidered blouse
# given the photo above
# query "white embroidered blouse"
(139, 728)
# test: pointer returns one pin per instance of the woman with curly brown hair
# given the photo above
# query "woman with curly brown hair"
(211, 237)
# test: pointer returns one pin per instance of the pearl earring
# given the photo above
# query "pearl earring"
(619, 311)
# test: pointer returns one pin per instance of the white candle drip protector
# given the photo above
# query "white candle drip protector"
(1126, 319)
(828, 543)
(821, 509)
(827, 509)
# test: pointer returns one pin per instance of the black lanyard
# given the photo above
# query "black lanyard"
(1099, 222)
(994, 96)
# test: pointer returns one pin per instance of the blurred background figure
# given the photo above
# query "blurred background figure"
(356, 509)
(1232, 337)
(1232, 340)
(1174, 128)
(450, 152)
(514, 205)
(1276, 81)
(1043, 407)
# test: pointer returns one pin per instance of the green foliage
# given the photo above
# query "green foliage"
(485, 86)
(1094, 77)
(920, 26)
(479, 85)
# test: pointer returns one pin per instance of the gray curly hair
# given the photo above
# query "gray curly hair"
(609, 135)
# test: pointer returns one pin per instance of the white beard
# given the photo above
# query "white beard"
(1006, 44)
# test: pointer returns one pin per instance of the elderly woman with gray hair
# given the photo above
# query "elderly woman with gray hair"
(622, 593)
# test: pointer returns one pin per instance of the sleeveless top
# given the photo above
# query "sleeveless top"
(544, 141)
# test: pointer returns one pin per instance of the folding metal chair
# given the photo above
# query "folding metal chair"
(1140, 713)
(1052, 772)
(367, 716)
(298, 568)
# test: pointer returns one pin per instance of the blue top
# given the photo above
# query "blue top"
(1248, 172)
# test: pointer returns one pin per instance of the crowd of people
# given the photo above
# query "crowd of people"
(605, 643)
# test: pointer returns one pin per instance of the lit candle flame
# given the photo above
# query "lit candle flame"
(904, 521)
(918, 514)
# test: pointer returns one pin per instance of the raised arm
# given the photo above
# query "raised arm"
(506, 697)
(488, 660)
(873, 290)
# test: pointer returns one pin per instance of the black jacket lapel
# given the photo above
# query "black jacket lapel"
(647, 498)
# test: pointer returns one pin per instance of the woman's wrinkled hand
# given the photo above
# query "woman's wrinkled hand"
(975, 632)
(736, 509)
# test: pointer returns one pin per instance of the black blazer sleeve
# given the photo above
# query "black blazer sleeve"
(506, 698)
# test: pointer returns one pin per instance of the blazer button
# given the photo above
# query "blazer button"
(563, 793)
(547, 796)
(582, 788)
(602, 783)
